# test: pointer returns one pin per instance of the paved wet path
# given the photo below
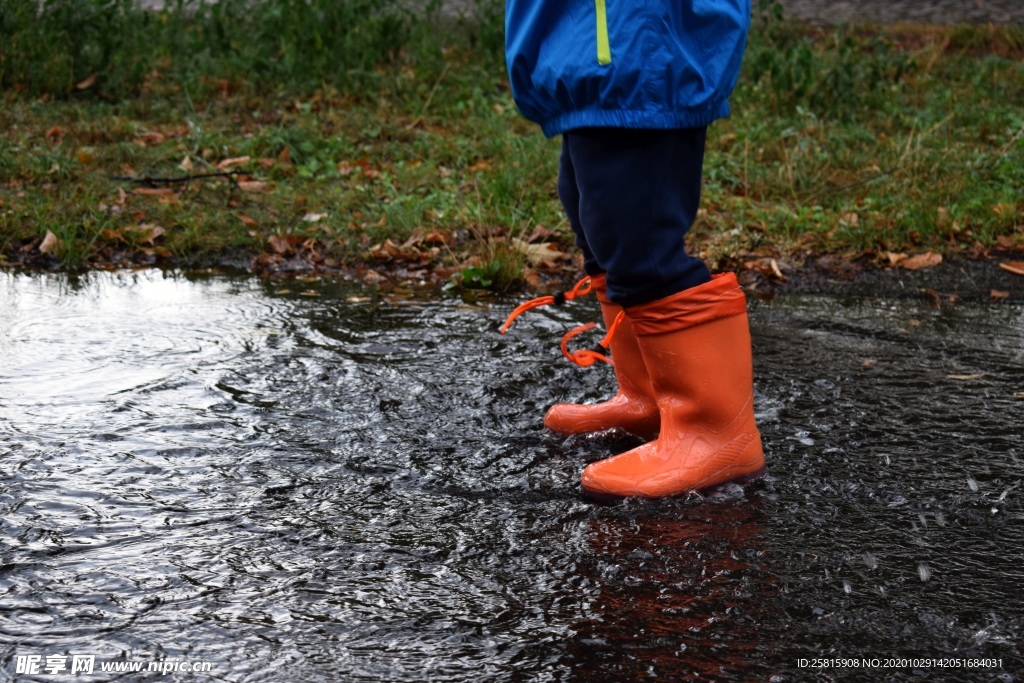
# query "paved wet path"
(880, 11)
(919, 11)
(316, 481)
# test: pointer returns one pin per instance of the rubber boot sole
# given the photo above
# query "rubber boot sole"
(743, 480)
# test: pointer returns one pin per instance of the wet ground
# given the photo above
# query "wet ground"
(877, 11)
(841, 11)
(913, 11)
(316, 481)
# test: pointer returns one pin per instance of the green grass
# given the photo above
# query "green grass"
(396, 144)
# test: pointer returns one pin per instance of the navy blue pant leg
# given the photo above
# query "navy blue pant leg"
(630, 197)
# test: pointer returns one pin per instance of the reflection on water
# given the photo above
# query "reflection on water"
(330, 483)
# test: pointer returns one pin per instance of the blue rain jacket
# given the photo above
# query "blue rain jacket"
(624, 63)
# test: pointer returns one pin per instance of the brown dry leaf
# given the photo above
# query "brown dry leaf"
(50, 242)
(767, 266)
(154, 191)
(919, 261)
(934, 298)
(540, 234)
(283, 244)
(1015, 267)
(186, 164)
(390, 251)
(372, 277)
(253, 186)
(87, 83)
(151, 139)
(537, 253)
(285, 157)
(248, 220)
(894, 257)
(236, 161)
(999, 295)
(435, 237)
(149, 232)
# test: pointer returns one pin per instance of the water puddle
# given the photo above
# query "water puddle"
(311, 482)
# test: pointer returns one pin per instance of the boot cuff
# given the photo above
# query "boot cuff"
(721, 297)
(600, 288)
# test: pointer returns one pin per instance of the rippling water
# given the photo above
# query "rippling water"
(329, 483)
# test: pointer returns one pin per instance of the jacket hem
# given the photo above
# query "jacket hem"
(654, 120)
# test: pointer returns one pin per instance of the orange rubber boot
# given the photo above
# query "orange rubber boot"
(697, 346)
(633, 407)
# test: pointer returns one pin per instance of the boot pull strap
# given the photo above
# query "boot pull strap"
(582, 288)
(587, 357)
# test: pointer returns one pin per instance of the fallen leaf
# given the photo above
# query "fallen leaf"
(150, 232)
(894, 257)
(253, 186)
(151, 139)
(435, 237)
(50, 242)
(965, 378)
(540, 234)
(236, 161)
(285, 157)
(919, 261)
(767, 266)
(372, 277)
(934, 298)
(283, 244)
(186, 164)
(537, 253)
(154, 191)
(314, 217)
(87, 83)
(999, 295)
(248, 220)
(1015, 267)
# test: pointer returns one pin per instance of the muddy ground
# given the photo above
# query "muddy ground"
(822, 12)
(952, 281)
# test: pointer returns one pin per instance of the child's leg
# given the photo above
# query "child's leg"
(569, 194)
(631, 196)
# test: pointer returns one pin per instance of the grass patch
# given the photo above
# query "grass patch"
(320, 135)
